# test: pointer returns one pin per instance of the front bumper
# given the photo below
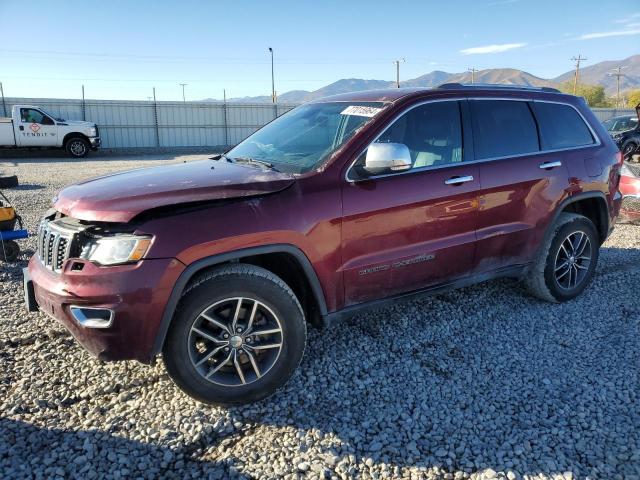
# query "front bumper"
(95, 142)
(136, 294)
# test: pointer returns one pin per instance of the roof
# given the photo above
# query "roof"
(392, 94)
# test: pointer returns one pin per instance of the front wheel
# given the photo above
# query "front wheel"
(77, 147)
(238, 335)
(567, 261)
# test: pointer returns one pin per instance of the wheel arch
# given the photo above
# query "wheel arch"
(592, 205)
(71, 135)
(263, 256)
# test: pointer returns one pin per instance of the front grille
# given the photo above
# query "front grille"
(54, 245)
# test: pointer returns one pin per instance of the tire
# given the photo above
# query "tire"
(9, 251)
(77, 147)
(629, 149)
(196, 346)
(542, 279)
(9, 182)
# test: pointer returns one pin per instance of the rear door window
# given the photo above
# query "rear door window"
(503, 128)
(561, 126)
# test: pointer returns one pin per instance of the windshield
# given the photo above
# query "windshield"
(620, 124)
(302, 139)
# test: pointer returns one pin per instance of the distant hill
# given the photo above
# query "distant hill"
(597, 74)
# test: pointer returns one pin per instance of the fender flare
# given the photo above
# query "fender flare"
(192, 269)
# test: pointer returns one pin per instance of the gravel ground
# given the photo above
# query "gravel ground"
(484, 382)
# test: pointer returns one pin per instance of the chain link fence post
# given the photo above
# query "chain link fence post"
(155, 117)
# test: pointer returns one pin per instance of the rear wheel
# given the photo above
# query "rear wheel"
(238, 335)
(567, 261)
(77, 147)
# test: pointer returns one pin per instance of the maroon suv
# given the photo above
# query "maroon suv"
(341, 204)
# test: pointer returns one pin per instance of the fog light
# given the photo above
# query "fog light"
(91, 317)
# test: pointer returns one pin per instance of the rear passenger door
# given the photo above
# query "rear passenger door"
(521, 183)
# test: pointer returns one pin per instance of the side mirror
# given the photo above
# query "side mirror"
(382, 157)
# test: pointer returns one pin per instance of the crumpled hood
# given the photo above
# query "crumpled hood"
(122, 196)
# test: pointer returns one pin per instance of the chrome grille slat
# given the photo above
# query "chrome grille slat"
(54, 245)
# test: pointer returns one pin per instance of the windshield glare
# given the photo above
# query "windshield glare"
(303, 138)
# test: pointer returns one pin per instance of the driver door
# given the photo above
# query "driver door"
(410, 230)
(36, 129)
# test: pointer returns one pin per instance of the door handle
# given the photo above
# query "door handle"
(21, 127)
(550, 165)
(457, 180)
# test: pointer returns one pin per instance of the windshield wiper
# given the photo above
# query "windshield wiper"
(220, 156)
(254, 161)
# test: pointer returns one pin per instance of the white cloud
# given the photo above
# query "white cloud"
(492, 48)
(615, 33)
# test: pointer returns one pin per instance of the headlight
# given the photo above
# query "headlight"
(116, 250)
(93, 132)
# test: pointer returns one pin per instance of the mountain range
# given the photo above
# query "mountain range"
(597, 74)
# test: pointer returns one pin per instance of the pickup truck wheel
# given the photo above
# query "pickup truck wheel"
(237, 336)
(77, 147)
(567, 261)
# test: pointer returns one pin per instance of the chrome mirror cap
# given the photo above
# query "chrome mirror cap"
(382, 157)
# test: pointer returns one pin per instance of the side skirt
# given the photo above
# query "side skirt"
(512, 271)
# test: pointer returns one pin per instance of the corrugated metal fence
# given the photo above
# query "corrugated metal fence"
(126, 124)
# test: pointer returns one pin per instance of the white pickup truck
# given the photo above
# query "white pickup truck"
(33, 127)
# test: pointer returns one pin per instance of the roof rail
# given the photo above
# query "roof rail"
(501, 86)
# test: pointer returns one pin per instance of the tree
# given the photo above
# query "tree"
(593, 94)
(633, 98)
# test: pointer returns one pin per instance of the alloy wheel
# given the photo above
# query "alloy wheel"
(572, 260)
(235, 341)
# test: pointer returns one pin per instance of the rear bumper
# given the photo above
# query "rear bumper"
(136, 294)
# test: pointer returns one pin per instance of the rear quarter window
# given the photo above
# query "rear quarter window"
(502, 128)
(561, 126)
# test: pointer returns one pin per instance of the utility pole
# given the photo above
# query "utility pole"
(84, 105)
(397, 62)
(617, 74)
(183, 85)
(473, 74)
(576, 76)
(4, 105)
(273, 83)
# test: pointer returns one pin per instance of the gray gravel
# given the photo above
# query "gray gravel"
(484, 382)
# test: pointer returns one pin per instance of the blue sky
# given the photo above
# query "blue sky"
(121, 49)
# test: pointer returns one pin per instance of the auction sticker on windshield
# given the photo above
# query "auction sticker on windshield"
(360, 111)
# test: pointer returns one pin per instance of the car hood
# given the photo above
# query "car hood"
(79, 123)
(122, 196)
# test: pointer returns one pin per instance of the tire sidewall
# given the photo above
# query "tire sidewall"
(176, 351)
(78, 140)
(576, 224)
(632, 151)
